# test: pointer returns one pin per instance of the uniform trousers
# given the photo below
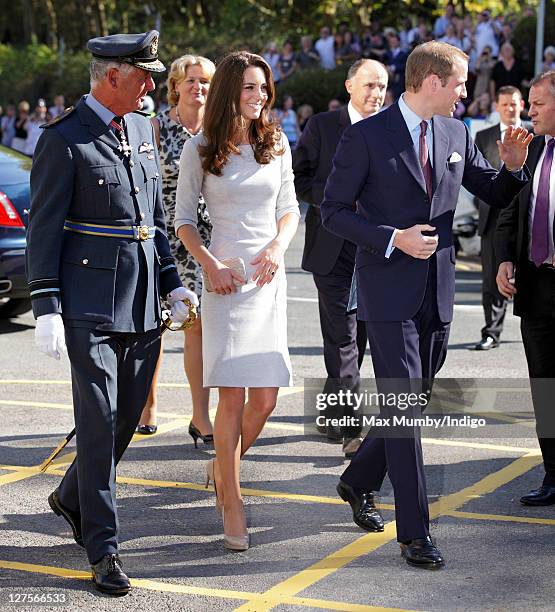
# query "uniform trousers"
(405, 354)
(344, 337)
(111, 378)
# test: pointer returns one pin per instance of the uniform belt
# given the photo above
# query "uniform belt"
(135, 232)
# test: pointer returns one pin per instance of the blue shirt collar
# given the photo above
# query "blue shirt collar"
(105, 114)
(411, 118)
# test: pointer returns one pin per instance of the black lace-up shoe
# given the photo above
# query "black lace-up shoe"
(71, 516)
(421, 552)
(365, 513)
(108, 576)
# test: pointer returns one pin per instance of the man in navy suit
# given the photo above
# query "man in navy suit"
(404, 168)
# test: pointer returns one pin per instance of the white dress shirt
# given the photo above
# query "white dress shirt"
(413, 121)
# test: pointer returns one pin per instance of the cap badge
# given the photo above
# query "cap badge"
(154, 46)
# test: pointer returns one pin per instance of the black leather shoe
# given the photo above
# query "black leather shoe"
(350, 446)
(147, 430)
(365, 513)
(486, 344)
(72, 517)
(544, 496)
(421, 552)
(108, 576)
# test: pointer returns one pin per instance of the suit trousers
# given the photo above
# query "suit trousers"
(412, 351)
(344, 337)
(111, 378)
(538, 337)
(494, 304)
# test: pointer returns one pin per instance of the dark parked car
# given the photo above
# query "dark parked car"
(14, 214)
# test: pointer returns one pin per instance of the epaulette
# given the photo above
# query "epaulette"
(147, 115)
(59, 118)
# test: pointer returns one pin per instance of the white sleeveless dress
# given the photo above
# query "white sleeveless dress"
(244, 334)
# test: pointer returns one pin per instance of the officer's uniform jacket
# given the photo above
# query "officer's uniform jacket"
(81, 175)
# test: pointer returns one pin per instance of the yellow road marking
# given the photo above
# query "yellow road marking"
(487, 484)
(362, 546)
(279, 426)
(321, 569)
(15, 476)
(36, 404)
(22, 472)
(479, 445)
(193, 486)
(29, 381)
(500, 517)
(154, 585)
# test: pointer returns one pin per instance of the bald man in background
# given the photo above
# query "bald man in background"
(330, 258)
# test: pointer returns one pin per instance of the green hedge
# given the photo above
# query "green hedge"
(315, 87)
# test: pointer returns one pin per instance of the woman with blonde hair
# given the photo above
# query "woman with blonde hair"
(242, 165)
(188, 83)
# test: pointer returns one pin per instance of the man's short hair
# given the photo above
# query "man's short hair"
(356, 65)
(507, 90)
(431, 58)
(99, 68)
(543, 76)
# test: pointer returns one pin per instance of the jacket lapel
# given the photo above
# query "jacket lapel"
(441, 151)
(401, 141)
(95, 125)
(344, 119)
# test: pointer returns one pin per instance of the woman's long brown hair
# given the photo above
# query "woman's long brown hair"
(223, 120)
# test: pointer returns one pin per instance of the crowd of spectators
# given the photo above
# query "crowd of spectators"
(20, 128)
(484, 38)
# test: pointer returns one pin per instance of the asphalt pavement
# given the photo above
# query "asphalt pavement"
(306, 552)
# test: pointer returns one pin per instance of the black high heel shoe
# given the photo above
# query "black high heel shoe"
(195, 434)
(147, 430)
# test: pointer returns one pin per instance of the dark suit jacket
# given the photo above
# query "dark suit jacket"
(511, 236)
(376, 165)
(312, 164)
(78, 173)
(486, 141)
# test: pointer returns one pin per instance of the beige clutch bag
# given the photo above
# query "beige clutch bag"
(236, 264)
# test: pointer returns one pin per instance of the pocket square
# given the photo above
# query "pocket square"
(455, 157)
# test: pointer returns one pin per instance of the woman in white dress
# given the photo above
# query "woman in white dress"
(242, 165)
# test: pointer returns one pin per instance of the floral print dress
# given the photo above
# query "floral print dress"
(172, 138)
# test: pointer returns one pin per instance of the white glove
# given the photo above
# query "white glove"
(50, 335)
(180, 312)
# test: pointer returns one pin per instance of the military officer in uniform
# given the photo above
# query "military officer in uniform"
(98, 262)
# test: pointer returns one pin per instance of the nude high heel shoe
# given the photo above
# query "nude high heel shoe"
(235, 542)
(211, 478)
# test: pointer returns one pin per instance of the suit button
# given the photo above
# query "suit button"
(101, 181)
(137, 190)
(157, 175)
(85, 261)
(131, 163)
(142, 216)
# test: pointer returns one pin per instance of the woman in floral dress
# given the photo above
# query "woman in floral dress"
(188, 82)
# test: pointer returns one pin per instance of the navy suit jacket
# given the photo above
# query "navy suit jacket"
(376, 166)
(312, 163)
